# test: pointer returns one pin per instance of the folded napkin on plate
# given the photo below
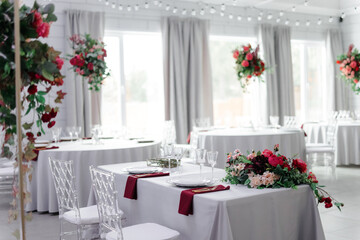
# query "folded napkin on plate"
(186, 197)
(131, 183)
(36, 150)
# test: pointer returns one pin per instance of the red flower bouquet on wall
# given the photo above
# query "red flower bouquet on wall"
(269, 169)
(248, 64)
(88, 60)
(349, 67)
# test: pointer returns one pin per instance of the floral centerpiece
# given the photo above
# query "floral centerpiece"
(248, 65)
(269, 169)
(88, 60)
(40, 72)
(349, 67)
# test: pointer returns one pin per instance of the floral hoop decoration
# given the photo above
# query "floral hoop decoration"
(40, 72)
(88, 60)
(248, 65)
(349, 67)
(269, 169)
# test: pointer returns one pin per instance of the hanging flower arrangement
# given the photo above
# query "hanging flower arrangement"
(40, 72)
(349, 67)
(88, 60)
(249, 65)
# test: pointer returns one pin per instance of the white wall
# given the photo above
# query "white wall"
(149, 20)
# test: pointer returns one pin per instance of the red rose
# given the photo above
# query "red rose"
(73, 61)
(300, 164)
(267, 153)
(90, 66)
(59, 62)
(328, 200)
(328, 205)
(105, 53)
(53, 113)
(37, 19)
(249, 56)
(322, 200)
(46, 117)
(286, 165)
(249, 76)
(43, 30)
(257, 68)
(51, 124)
(236, 54)
(274, 161)
(353, 64)
(38, 134)
(80, 62)
(356, 69)
(32, 89)
(338, 62)
(245, 63)
(30, 136)
(356, 81)
(246, 49)
(262, 63)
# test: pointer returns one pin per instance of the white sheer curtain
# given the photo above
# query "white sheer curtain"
(187, 72)
(82, 105)
(338, 97)
(276, 47)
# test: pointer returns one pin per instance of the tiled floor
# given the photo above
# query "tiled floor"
(337, 225)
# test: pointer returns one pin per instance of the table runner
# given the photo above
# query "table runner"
(36, 151)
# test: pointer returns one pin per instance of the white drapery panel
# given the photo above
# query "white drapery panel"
(276, 47)
(338, 97)
(187, 72)
(82, 105)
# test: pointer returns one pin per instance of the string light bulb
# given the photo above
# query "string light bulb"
(193, 12)
(278, 20)
(167, 7)
(343, 15)
(107, 2)
(306, 3)
(307, 23)
(128, 8)
(270, 16)
(223, 7)
(222, 13)
(113, 5)
(331, 19)
(160, 4)
(239, 18)
(136, 7)
(231, 16)
(212, 10)
(120, 7)
(287, 22)
(319, 22)
(281, 13)
(175, 10)
(184, 12)
(146, 5)
(293, 8)
(297, 23)
(202, 12)
(249, 18)
(156, 2)
(259, 18)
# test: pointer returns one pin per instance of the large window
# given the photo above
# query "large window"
(309, 79)
(230, 103)
(133, 95)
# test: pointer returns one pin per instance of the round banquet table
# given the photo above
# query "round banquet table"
(347, 143)
(291, 141)
(84, 154)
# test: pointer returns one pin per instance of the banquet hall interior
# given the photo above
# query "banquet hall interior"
(180, 119)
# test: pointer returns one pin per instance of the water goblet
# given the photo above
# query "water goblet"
(200, 158)
(70, 131)
(274, 120)
(178, 153)
(77, 132)
(56, 132)
(168, 152)
(212, 158)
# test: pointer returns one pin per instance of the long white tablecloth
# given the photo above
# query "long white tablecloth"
(348, 143)
(235, 214)
(292, 142)
(84, 155)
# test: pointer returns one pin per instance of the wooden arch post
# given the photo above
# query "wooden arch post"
(18, 84)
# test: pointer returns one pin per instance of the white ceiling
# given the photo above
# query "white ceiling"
(318, 7)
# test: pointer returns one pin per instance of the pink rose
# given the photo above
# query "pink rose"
(236, 54)
(37, 19)
(59, 62)
(245, 63)
(267, 153)
(246, 49)
(43, 30)
(249, 56)
(353, 64)
(274, 161)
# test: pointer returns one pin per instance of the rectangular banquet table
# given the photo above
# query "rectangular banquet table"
(235, 214)
(83, 154)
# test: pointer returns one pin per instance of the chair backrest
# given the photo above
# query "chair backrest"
(64, 181)
(331, 133)
(107, 201)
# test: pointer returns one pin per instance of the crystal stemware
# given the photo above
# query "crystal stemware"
(70, 131)
(200, 158)
(178, 153)
(212, 158)
(77, 132)
(168, 152)
(56, 132)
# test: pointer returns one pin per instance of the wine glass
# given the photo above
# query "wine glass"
(70, 131)
(274, 120)
(77, 132)
(212, 158)
(56, 134)
(178, 153)
(168, 152)
(200, 158)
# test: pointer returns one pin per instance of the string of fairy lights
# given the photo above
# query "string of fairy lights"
(229, 10)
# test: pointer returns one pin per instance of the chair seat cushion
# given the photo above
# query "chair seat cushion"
(148, 231)
(89, 215)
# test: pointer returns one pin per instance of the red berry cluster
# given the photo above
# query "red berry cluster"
(327, 200)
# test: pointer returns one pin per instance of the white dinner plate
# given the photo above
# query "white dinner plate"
(138, 170)
(191, 182)
(40, 145)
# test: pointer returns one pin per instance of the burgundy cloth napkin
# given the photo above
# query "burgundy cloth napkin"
(186, 197)
(36, 150)
(131, 183)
